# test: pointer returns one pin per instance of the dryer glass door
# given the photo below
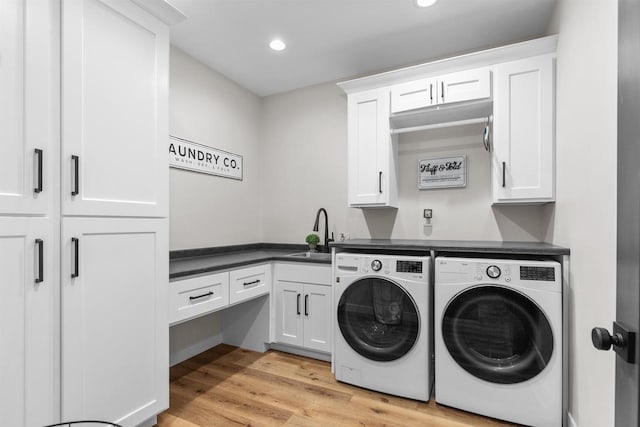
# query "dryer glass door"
(497, 334)
(378, 319)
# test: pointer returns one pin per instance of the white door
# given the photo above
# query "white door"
(369, 148)
(28, 323)
(523, 158)
(114, 319)
(413, 95)
(114, 110)
(464, 86)
(28, 105)
(289, 316)
(317, 321)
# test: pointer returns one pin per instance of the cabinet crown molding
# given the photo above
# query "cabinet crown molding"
(163, 10)
(481, 58)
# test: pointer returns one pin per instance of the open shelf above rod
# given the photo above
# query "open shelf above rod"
(441, 117)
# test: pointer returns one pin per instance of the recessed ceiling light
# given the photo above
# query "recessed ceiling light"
(426, 3)
(277, 44)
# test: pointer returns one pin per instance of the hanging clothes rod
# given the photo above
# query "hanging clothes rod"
(442, 125)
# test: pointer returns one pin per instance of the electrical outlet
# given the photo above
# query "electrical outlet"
(428, 213)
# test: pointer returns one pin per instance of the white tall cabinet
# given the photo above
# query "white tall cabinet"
(114, 245)
(83, 211)
(29, 213)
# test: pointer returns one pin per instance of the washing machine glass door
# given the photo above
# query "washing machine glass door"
(497, 334)
(378, 319)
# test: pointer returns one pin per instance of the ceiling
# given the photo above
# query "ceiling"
(330, 40)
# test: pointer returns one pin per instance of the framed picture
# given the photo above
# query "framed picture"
(442, 172)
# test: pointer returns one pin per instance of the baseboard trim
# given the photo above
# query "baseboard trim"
(326, 357)
(195, 349)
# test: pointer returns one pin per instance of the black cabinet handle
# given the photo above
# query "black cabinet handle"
(298, 304)
(442, 90)
(76, 258)
(38, 188)
(431, 92)
(76, 175)
(245, 284)
(40, 245)
(380, 182)
(201, 296)
(306, 305)
(504, 165)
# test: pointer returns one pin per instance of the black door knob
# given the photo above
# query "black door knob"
(603, 340)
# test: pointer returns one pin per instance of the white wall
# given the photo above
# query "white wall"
(305, 143)
(585, 212)
(209, 109)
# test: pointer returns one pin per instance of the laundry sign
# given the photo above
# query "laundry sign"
(442, 172)
(184, 154)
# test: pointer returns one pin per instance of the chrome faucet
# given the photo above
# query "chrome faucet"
(325, 248)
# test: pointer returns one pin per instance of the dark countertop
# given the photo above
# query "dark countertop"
(195, 262)
(460, 246)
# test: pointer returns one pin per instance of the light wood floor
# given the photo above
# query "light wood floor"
(229, 386)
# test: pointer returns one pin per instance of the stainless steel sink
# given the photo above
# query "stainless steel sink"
(312, 255)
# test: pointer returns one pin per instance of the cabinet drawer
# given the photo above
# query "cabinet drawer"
(193, 297)
(249, 282)
(411, 95)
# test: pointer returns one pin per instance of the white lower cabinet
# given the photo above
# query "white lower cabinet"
(28, 324)
(114, 319)
(249, 282)
(303, 306)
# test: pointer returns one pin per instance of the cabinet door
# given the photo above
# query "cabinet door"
(27, 323)
(289, 315)
(464, 86)
(413, 95)
(114, 110)
(28, 105)
(371, 172)
(523, 156)
(317, 322)
(115, 355)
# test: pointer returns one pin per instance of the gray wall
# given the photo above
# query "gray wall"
(305, 146)
(585, 211)
(207, 108)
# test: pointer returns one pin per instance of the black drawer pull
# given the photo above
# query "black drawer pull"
(76, 258)
(40, 244)
(306, 305)
(255, 282)
(38, 188)
(76, 175)
(442, 86)
(201, 296)
(298, 304)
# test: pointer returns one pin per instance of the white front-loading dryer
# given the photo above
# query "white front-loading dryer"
(498, 338)
(383, 337)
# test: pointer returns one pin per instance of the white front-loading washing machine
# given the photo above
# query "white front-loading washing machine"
(383, 338)
(498, 338)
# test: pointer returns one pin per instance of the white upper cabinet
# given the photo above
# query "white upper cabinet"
(523, 141)
(371, 151)
(114, 108)
(462, 86)
(28, 105)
